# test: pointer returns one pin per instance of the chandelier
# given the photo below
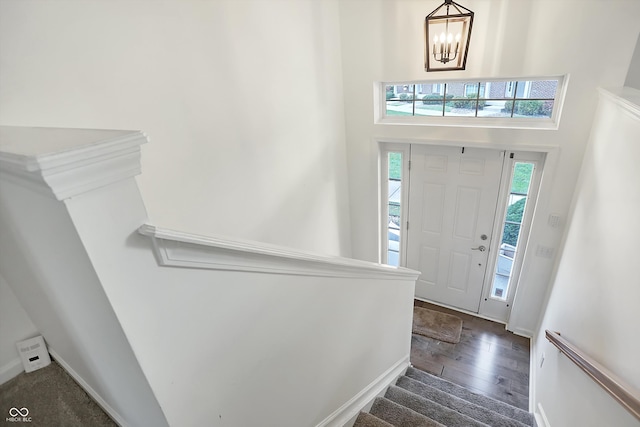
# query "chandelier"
(447, 36)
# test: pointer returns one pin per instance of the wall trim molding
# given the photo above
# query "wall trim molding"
(11, 370)
(541, 417)
(354, 405)
(522, 332)
(378, 140)
(626, 97)
(115, 416)
(533, 372)
(178, 249)
(108, 157)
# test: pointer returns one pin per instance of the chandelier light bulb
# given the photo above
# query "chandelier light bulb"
(442, 38)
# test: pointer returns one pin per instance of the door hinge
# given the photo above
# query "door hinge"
(462, 150)
(511, 155)
(407, 225)
(409, 164)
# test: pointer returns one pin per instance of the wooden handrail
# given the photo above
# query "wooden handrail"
(616, 387)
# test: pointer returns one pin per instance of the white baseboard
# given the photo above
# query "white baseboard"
(522, 332)
(90, 391)
(11, 370)
(533, 375)
(352, 407)
(541, 417)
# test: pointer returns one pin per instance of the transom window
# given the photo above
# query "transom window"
(488, 99)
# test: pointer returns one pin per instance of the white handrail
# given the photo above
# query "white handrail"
(179, 249)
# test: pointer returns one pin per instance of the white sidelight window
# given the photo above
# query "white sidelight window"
(393, 172)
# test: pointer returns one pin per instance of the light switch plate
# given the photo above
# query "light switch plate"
(554, 220)
(544, 251)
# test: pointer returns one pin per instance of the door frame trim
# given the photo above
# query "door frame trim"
(519, 308)
(505, 186)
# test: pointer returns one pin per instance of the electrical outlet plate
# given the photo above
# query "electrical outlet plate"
(33, 353)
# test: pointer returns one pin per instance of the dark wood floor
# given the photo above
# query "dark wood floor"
(488, 359)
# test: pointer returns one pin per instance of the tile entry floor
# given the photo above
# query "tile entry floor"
(488, 359)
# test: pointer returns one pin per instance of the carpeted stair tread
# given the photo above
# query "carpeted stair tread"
(457, 404)
(365, 419)
(431, 409)
(400, 416)
(478, 399)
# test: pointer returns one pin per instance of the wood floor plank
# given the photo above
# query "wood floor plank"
(480, 367)
(488, 359)
(519, 388)
(499, 391)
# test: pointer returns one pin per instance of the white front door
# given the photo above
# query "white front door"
(452, 204)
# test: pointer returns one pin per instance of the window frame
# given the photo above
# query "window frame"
(496, 307)
(384, 148)
(550, 123)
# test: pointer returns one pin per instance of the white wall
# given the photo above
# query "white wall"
(594, 299)
(45, 264)
(239, 348)
(15, 325)
(633, 75)
(242, 101)
(384, 42)
(288, 345)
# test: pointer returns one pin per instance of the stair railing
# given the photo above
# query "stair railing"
(616, 387)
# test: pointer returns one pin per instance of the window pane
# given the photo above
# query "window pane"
(429, 88)
(516, 208)
(425, 110)
(521, 178)
(471, 90)
(461, 108)
(395, 167)
(545, 89)
(533, 108)
(516, 204)
(491, 102)
(511, 232)
(393, 204)
(461, 98)
(536, 89)
(503, 271)
(500, 90)
(523, 89)
(491, 108)
(399, 100)
(429, 105)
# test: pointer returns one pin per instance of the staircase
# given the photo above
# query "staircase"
(420, 399)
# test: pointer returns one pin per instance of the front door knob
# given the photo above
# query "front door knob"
(480, 248)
